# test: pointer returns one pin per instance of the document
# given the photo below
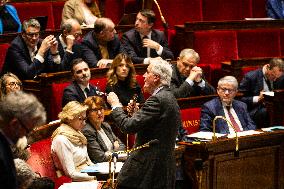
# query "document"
(102, 168)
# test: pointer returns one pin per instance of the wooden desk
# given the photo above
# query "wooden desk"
(260, 164)
(274, 105)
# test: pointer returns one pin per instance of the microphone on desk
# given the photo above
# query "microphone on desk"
(114, 157)
(154, 141)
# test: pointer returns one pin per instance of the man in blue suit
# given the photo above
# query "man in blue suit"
(143, 42)
(225, 105)
(255, 83)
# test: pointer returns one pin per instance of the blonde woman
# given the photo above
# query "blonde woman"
(69, 145)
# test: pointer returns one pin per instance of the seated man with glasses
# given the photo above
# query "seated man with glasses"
(188, 79)
(225, 105)
(69, 46)
(29, 56)
(102, 142)
(9, 83)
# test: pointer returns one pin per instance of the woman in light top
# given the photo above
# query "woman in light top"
(69, 145)
(102, 142)
(85, 11)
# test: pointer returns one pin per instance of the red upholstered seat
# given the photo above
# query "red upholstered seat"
(114, 10)
(100, 82)
(215, 47)
(57, 7)
(218, 10)
(258, 43)
(41, 161)
(258, 8)
(3, 50)
(34, 9)
(178, 12)
(191, 119)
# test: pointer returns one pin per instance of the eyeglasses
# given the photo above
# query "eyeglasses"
(14, 84)
(81, 118)
(230, 91)
(31, 35)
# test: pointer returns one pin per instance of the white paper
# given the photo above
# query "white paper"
(245, 133)
(102, 168)
(83, 185)
(204, 135)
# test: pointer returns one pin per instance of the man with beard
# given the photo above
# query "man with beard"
(158, 121)
(80, 88)
(233, 110)
(187, 79)
(28, 55)
(143, 42)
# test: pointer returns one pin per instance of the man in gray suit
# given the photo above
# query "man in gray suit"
(157, 121)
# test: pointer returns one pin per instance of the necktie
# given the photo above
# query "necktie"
(268, 82)
(88, 92)
(233, 121)
(144, 49)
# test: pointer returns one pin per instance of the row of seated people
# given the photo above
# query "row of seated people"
(197, 10)
(230, 91)
(28, 56)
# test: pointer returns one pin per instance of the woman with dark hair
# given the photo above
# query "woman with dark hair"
(9, 83)
(9, 19)
(102, 142)
(121, 79)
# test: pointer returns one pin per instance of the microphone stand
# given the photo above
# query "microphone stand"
(214, 138)
(165, 24)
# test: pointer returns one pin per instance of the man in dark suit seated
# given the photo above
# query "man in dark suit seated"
(187, 79)
(68, 43)
(80, 88)
(225, 105)
(143, 42)
(101, 45)
(29, 56)
(255, 83)
(158, 120)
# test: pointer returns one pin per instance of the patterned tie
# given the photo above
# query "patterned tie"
(233, 121)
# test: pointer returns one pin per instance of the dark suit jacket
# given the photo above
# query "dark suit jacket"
(152, 167)
(74, 93)
(182, 89)
(91, 51)
(7, 166)
(214, 108)
(67, 57)
(96, 145)
(18, 61)
(132, 45)
(274, 9)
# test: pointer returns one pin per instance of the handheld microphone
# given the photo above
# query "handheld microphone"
(114, 157)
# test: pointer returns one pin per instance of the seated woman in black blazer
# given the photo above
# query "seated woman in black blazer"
(102, 142)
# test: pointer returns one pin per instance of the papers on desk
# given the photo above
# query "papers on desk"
(102, 168)
(244, 133)
(204, 136)
(76, 185)
(275, 128)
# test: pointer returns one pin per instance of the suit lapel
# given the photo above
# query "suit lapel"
(81, 94)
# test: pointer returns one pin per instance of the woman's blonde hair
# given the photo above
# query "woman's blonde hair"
(71, 110)
(111, 74)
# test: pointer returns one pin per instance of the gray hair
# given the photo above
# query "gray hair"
(24, 107)
(3, 82)
(189, 52)
(163, 69)
(25, 175)
(228, 80)
(101, 24)
(30, 23)
(276, 62)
